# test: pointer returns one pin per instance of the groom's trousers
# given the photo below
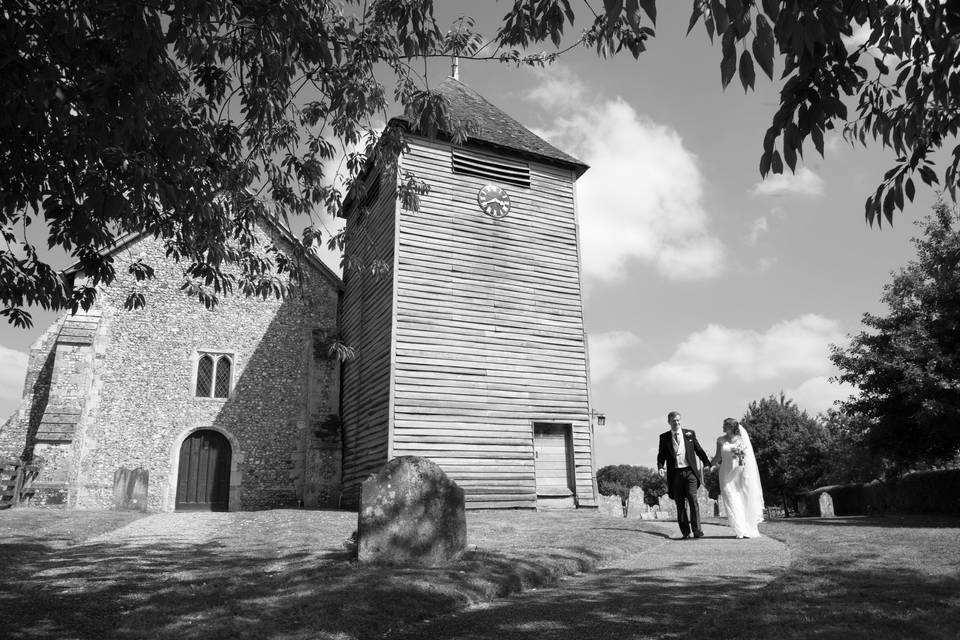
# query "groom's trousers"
(685, 486)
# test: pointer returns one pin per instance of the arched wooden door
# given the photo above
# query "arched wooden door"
(203, 482)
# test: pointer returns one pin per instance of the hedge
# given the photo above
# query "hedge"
(916, 492)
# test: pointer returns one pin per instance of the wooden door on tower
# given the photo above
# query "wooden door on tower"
(553, 462)
(203, 481)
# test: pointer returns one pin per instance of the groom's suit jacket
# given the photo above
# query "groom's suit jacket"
(667, 456)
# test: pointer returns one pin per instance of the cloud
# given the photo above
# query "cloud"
(12, 373)
(607, 352)
(702, 360)
(802, 183)
(759, 227)
(642, 199)
(818, 394)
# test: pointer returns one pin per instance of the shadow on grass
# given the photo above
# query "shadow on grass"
(842, 599)
(836, 601)
(615, 603)
(208, 591)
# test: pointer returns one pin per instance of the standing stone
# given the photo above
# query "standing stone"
(636, 505)
(826, 505)
(611, 506)
(411, 512)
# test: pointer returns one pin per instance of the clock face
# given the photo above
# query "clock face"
(494, 201)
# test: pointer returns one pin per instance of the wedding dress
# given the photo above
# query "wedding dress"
(740, 486)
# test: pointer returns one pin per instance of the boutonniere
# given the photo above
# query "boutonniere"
(688, 434)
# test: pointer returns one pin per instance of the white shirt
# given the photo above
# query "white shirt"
(681, 449)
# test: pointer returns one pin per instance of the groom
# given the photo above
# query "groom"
(679, 451)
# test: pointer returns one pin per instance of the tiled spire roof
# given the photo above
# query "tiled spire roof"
(497, 129)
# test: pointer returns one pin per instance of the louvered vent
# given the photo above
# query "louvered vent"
(491, 168)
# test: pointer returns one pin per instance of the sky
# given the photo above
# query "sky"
(705, 287)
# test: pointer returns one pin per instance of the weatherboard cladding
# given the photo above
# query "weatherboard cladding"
(496, 128)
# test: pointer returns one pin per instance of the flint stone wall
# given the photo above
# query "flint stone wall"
(140, 400)
(411, 512)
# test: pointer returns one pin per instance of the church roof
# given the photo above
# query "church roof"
(496, 128)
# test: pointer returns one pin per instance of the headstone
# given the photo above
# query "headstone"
(130, 489)
(611, 506)
(826, 505)
(668, 508)
(703, 502)
(411, 513)
(636, 506)
(714, 508)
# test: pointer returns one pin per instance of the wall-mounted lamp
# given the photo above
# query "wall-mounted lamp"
(601, 418)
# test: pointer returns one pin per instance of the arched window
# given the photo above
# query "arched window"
(222, 388)
(214, 375)
(204, 376)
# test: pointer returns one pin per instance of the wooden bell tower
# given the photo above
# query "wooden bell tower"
(470, 342)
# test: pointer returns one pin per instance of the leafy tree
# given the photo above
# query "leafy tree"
(906, 365)
(848, 457)
(654, 487)
(790, 447)
(185, 120)
(617, 480)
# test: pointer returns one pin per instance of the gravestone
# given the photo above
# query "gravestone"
(703, 502)
(130, 489)
(714, 508)
(611, 506)
(411, 513)
(826, 505)
(636, 505)
(668, 509)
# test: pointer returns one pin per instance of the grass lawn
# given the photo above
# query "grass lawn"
(873, 578)
(285, 575)
(281, 574)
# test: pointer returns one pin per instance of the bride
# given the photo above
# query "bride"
(739, 480)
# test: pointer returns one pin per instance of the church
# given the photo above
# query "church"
(469, 350)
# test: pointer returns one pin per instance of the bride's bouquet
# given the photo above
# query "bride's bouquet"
(739, 453)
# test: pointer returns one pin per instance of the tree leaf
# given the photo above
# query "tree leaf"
(728, 65)
(910, 189)
(747, 74)
(720, 18)
(776, 164)
(928, 176)
(650, 8)
(695, 16)
(763, 46)
(772, 9)
(817, 134)
(734, 9)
